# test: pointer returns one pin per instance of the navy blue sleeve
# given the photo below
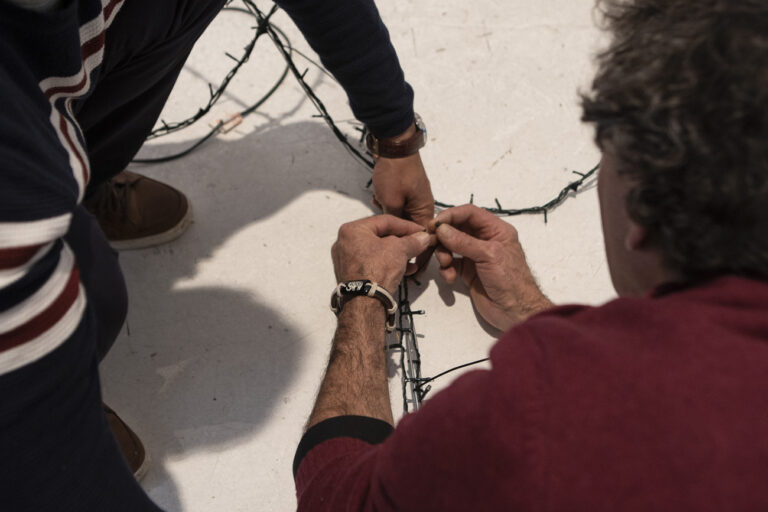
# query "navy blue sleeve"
(353, 43)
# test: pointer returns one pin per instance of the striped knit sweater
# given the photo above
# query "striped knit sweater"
(44, 167)
(44, 172)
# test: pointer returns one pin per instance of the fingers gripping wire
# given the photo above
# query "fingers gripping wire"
(415, 387)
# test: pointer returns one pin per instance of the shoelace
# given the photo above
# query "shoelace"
(111, 200)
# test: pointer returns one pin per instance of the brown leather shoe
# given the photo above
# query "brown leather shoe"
(129, 443)
(136, 212)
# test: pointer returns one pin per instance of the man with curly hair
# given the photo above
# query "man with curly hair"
(654, 401)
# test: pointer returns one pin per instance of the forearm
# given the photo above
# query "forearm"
(355, 381)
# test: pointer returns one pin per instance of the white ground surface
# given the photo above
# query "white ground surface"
(229, 328)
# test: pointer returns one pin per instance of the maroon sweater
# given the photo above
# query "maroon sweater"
(658, 403)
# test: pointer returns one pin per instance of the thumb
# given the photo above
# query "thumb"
(417, 243)
(460, 242)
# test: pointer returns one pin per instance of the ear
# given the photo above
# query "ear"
(637, 237)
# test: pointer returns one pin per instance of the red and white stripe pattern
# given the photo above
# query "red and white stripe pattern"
(68, 88)
(43, 321)
(36, 326)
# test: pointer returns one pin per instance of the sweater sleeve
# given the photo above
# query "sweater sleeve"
(447, 456)
(41, 297)
(353, 43)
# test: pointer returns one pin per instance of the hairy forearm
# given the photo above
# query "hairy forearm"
(355, 381)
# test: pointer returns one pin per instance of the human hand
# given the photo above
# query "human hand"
(492, 265)
(378, 248)
(401, 188)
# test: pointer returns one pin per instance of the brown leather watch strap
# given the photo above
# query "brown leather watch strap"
(389, 148)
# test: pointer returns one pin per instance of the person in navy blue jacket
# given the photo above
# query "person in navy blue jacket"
(82, 82)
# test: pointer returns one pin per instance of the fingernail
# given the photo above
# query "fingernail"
(422, 237)
(447, 231)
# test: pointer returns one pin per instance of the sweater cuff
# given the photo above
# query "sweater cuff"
(369, 430)
(392, 126)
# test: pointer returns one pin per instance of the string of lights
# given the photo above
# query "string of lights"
(224, 125)
(544, 209)
(408, 347)
(415, 387)
(215, 94)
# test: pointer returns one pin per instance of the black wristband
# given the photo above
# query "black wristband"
(364, 428)
(348, 289)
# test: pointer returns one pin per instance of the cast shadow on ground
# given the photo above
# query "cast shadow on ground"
(178, 373)
(447, 293)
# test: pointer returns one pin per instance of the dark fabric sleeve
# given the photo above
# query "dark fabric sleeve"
(369, 430)
(353, 43)
(446, 456)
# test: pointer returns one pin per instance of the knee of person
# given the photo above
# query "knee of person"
(100, 275)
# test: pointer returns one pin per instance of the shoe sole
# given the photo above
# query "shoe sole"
(139, 472)
(142, 470)
(158, 239)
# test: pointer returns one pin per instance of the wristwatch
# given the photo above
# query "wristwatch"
(388, 148)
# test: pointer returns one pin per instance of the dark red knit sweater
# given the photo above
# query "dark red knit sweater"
(658, 403)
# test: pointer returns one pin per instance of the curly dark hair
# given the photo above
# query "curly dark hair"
(680, 101)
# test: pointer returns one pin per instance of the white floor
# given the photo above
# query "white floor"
(229, 327)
